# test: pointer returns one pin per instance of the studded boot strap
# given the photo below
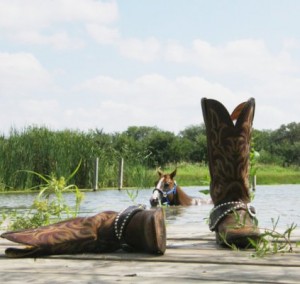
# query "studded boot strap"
(222, 210)
(122, 220)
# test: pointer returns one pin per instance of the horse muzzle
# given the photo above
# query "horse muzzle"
(154, 202)
(155, 198)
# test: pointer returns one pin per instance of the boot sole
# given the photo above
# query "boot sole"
(155, 232)
(239, 241)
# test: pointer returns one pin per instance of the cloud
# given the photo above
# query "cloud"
(104, 86)
(22, 74)
(33, 15)
(22, 113)
(59, 41)
(246, 57)
(27, 92)
(277, 102)
(152, 100)
(166, 95)
(249, 58)
(103, 34)
(146, 50)
(36, 22)
(174, 104)
(291, 43)
(175, 52)
(269, 116)
(149, 100)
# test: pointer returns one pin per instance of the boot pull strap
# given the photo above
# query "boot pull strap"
(222, 210)
(123, 219)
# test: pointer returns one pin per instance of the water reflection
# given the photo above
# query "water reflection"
(173, 212)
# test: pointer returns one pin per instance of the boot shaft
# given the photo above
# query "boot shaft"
(92, 234)
(135, 228)
(228, 146)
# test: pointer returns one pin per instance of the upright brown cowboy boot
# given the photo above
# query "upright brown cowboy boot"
(135, 228)
(232, 218)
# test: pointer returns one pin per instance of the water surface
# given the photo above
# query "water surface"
(271, 202)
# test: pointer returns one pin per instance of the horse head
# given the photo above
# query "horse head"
(165, 191)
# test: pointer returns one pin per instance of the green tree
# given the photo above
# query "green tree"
(195, 136)
(160, 145)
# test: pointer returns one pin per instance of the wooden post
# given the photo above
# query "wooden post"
(121, 167)
(96, 166)
(253, 181)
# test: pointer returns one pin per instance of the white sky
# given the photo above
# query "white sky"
(84, 64)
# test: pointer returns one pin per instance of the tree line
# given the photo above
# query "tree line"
(57, 153)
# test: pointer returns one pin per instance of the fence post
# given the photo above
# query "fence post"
(95, 182)
(121, 168)
(253, 181)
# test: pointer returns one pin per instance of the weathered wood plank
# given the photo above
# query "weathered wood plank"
(191, 256)
(75, 270)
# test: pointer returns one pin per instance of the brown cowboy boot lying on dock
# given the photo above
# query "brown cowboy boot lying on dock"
(134, 229)
(232, 218)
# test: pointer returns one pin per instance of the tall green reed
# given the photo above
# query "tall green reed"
(42, 150)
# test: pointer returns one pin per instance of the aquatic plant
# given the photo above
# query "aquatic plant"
(50, 205)
(132, 194)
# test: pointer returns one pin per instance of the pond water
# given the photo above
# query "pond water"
(276, 201)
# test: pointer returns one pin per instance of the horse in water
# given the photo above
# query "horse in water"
(167, 192)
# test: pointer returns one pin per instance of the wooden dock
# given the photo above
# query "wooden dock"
(191, 257)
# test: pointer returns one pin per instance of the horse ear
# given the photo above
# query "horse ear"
(173, 174)
(159, 171)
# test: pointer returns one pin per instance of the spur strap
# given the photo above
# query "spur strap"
(222, 210)
(123, 218)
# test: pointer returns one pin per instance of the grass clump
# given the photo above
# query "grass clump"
(49, 206)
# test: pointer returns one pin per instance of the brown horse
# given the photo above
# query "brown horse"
(167, 192)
